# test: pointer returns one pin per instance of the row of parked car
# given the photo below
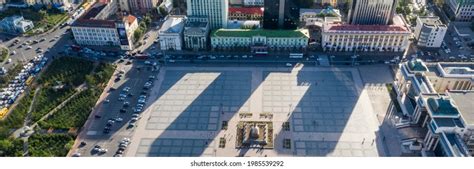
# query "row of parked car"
(17, 85)
(122, 146)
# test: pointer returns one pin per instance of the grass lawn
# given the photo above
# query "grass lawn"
(74, 114)
(67, 71)
(4, 53)
(57, 83)
(50, 145)
(47, 99)
(11, 148)
(15, 119)
(51, 19)
(47, 23)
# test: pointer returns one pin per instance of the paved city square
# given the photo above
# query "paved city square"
(195, 111)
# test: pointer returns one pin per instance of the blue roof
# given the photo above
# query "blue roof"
(442, 107)
(416, 65)
(448, 122)
(453, 145)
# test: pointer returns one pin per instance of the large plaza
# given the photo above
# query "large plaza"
(195, 111)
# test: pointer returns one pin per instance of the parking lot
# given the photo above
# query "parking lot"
(328, 112)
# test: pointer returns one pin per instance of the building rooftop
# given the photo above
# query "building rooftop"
(464, 101)
(94, 23)
(236, 24)
(451, 69)
(173, 24)
(88, 19)
(199, 22)
(94, 10)
(457, 147)
(431, 21)
(417, 65)
(326, 11)
(260, 32)
(247, 10)
(12, 18)
(130, 19)
(368, 28)
(442, 107)
(196, 26)
(398, 26)
(448, 122)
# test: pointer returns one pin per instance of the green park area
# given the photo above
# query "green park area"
(3, 54)
(43, 19)
(59, 100)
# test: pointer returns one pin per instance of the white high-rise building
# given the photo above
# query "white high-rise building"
(371, 12)
(215, 10)
(430, 31)
(460, 10)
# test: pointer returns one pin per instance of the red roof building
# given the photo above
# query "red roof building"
(245, 13)
(368, 28)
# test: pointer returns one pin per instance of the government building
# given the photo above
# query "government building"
(383, 38)
(259, 39)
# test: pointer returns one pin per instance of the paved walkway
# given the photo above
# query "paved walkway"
(333, 97)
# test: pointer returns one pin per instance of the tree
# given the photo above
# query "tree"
(138, 34)
(147, 19)
(43, 14)
(162, 11)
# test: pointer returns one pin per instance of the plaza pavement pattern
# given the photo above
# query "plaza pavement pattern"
(328, 112)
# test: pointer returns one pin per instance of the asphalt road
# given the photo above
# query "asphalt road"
(54, 43)
(92, 133)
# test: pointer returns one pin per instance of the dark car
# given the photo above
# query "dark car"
(123, 110)
(83, 143)
(98, 116)
(106, 130)
(117, 79)
(109, 124)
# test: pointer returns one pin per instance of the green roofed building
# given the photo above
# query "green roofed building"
(260, 39)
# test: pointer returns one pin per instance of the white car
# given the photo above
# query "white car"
(103, 150)
(289, 65)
